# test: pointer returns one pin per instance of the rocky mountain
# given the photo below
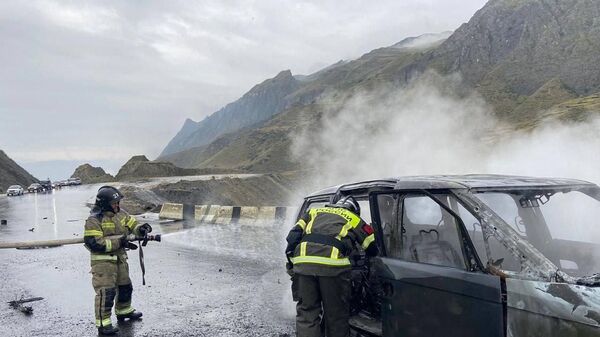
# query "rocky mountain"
(13, 174)
(423, 41)
(257, 105)
(91, 175)
(511, 49)
(369, 70)
(531, 60)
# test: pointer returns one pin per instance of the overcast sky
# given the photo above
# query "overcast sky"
(100, 81)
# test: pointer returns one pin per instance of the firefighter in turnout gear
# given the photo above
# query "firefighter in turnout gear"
(110, 271)
(319, 246)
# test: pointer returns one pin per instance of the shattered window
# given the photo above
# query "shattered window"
(573, 216)
(506, 207)
(429, 234)
(388, 213)
(365, 210)
(563, 225)
(316, 204)
(498, 255)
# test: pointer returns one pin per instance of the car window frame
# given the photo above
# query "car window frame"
(470, 255)
(308, 201)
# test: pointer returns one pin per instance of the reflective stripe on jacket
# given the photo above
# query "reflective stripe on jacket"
(99, 227)
(326, 236)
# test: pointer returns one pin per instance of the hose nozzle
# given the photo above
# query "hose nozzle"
(155, 237)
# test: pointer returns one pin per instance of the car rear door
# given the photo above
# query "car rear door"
(426, 271)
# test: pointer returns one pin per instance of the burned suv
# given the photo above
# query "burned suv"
(476, 255)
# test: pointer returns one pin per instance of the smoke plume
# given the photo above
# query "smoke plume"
(434, 126)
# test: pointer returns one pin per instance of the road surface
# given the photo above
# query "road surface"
(202, 280)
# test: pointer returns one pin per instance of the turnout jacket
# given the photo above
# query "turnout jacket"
(323, 239)
(100, 225)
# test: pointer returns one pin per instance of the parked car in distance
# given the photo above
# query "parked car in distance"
(46, 185)
(475, 255)
(34, 188)
(14, 190)
(73, 181)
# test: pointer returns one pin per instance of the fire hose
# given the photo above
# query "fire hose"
(142, 241)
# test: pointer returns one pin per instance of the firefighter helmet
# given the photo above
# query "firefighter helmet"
(106, 196)
(350, 204)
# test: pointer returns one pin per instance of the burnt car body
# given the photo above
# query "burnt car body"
(476, 255)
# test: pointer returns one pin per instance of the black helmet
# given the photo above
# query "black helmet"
(106, 196)
(350, 204)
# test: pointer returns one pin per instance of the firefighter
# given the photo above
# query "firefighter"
(110, 271)
(318, 247)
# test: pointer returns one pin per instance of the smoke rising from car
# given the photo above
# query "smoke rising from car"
(434, 126)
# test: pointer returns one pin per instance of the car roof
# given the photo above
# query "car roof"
(469, 181)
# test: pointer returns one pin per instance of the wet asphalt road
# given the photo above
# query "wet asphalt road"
(202, 280)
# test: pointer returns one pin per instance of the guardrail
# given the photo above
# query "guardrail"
(217, 214)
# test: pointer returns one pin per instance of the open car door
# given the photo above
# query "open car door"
(430, 287)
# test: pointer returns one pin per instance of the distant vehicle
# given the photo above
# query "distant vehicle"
(57, 184)
(46, 185)
(35, 187)
(14, 190)
(73, 181)
(475, 255)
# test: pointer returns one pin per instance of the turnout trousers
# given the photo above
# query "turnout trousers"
(323, 298)
(111, 281)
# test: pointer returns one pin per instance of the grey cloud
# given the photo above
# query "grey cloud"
(103, 80)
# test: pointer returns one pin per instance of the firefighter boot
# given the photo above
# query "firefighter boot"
(134, 315)
(107, 330)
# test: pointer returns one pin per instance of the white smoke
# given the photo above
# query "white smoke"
(433, 126)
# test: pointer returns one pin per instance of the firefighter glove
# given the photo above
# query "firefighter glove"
(145, 229)
(123, 241)
(131, 246)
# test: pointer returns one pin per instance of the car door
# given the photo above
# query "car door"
(429, 286)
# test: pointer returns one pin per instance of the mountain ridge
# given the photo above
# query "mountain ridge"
(258, 104)
(12, 173)
(523, 57)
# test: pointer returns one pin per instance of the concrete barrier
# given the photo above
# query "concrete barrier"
(265, 216)
(171, 211)
(248, 215)
(210, 214)
(200, 211)
(223, 215)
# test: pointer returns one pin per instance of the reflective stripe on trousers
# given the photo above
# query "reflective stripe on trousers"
(124, 311)
(104, 322)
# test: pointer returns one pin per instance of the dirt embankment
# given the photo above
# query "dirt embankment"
(141, 167)
(91, 175)
(139, 200)
(265, 190)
